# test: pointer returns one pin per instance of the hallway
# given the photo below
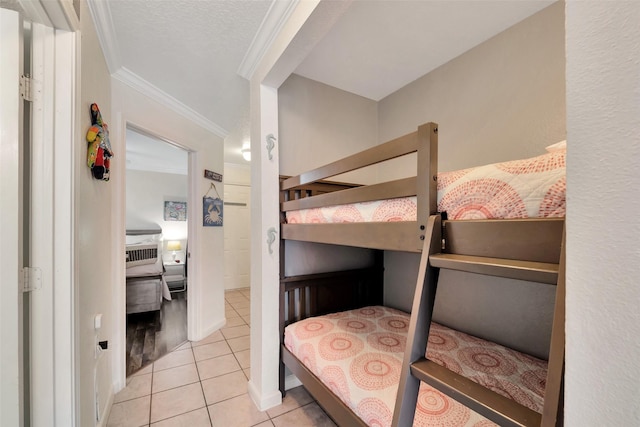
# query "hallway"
(204, 384)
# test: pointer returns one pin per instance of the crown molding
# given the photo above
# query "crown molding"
(144, 87)
(274, 20)
(103, 21)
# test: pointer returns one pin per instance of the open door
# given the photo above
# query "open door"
(37, 364)
(11, 374)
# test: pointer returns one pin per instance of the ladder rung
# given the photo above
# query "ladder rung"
(540, 272)
(497, 408)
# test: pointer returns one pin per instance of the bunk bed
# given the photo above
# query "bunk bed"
(370, 365)
(145, 282)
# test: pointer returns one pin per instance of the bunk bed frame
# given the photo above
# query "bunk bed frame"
(526, 249)
(401, 236)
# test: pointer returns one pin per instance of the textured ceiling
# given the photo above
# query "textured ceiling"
(191, 50)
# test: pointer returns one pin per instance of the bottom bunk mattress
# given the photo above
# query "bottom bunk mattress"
(358, 355)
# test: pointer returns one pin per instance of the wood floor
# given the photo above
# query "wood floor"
(153, 334)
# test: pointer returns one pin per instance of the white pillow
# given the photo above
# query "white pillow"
(562, 145)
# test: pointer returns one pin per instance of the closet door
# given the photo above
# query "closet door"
(237, 235)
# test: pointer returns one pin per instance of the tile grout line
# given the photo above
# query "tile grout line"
(151, 391)
(204, 396)
(198, 372)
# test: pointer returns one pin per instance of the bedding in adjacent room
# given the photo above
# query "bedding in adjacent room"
(144, 259)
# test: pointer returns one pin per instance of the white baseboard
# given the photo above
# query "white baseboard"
(211, 329)
(291, 381)
(107, 409)
(264, 402)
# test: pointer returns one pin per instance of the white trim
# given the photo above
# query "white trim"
(64, 236)
(34, 11)
(274, 20)
(62, 14)
(107, 409)
(103, 21)
(194, 289)
(144, 87)
(11, 328)
(119, 336)
(264, 402)
(291, 381)
(41, 229)
(211, 329)
(56, 14)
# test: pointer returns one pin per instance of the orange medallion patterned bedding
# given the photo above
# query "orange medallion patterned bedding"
(358, 355)
(530, 188)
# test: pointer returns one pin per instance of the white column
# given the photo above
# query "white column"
(265, 258)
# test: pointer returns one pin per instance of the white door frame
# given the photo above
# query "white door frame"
(10, 219)
(119, 227)
(53, 327)
(52, 399)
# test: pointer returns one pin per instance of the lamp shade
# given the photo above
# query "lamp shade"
(174, 245)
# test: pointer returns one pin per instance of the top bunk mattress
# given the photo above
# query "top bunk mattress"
(358, 355)
(529, 188)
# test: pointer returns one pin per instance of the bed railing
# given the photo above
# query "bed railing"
(393, 236)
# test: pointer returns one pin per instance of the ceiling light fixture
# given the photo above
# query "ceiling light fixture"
(246, 153)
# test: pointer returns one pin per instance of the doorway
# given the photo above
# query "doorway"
(156, 214)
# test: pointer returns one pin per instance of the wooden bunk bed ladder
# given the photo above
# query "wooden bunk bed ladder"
(525, 249)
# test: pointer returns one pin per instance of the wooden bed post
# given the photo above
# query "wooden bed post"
(427, 173)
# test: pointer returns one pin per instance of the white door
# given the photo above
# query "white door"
(237, 227)
(10, 219)
(37, 372)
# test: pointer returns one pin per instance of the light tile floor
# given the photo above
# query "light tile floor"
(204, 384)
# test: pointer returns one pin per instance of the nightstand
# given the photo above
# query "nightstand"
(174, 274)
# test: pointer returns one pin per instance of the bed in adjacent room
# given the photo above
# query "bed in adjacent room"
(146, 285)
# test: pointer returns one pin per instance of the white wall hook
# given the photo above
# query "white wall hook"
(271, 237)
(271, 143)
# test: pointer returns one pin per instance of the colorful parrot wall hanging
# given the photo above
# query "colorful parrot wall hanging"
(99, 151)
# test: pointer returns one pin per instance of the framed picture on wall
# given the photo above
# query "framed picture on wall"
(175, 211)
(212, 211)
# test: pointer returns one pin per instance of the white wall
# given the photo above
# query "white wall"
(603, 227)
(146, 194)
(94, 235)
(320, 124)
(502, 100)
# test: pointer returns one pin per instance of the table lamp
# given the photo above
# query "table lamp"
(174, 245)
